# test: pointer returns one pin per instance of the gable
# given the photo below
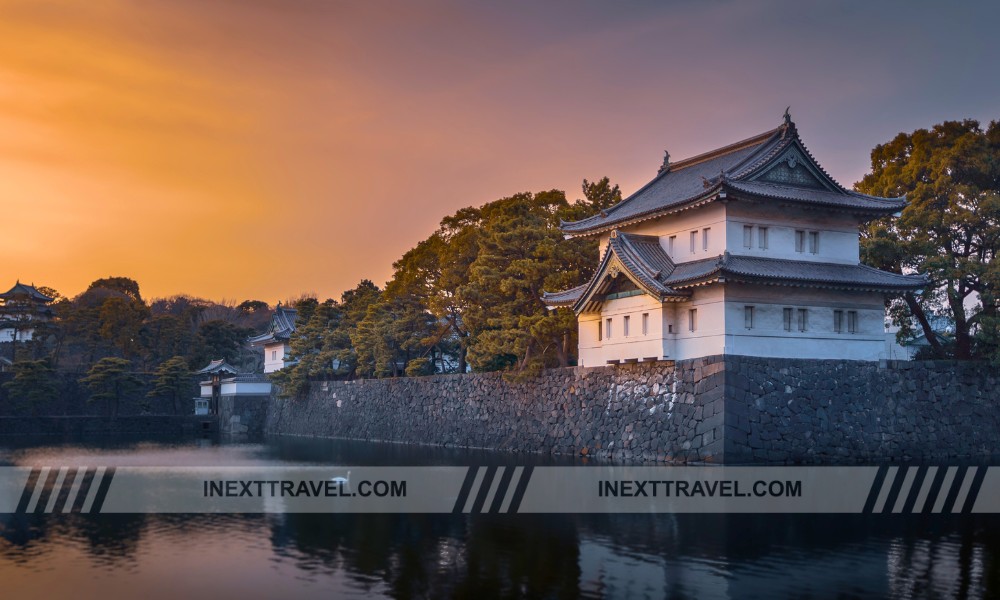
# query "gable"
(793, 167)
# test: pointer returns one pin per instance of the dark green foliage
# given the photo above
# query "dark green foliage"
(950, 231)
(35, 384)
(173, 381)
(111, 380)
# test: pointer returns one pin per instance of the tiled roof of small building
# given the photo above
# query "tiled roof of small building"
(23, 289)
(280, 329)
(737, 168)
(641, 256)
(218, 366)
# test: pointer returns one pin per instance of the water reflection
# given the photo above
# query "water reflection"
(544, 556)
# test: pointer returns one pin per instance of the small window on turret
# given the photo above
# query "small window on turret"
(762, 238)
(748, 236)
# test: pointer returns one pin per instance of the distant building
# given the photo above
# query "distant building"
(21, 308)
(225, 381)
(275, 340)
(751, 249)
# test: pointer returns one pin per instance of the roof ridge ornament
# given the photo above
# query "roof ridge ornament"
(787, 125)
(666, 163)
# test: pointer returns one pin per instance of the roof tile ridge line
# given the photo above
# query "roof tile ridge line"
(878, 270)
(761, 157)
(755, 140)
(605, 258)
(837, 184)
(756, 161)
(607, 211)
(681, 164)
(777, 196)
(705, 195)
(637, 258)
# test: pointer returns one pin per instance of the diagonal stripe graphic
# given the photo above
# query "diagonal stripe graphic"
(484, 489)
(956, 487)
(942, 496)
(977, 484)
(918, 483)
(56, 489)
(883, 495)
(474, 492)
(963, 491)
(102, 491)
(904, 491)
(515, 477)
(897, 484)
(74, 490)
(522, 485)
(501, 495)
(39, 488)
(95, 484)
(922, 498)
(875, 489)
(490, 497)
(29, 488)
(463, 493)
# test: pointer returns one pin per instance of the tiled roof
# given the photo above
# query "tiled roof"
(22, 289)
(704, 177)
(640, 255)
(793, 272)
(564, 298)
(280, 329)
(218, 366)
(812, 196)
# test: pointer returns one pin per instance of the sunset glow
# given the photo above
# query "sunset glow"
(263, 149)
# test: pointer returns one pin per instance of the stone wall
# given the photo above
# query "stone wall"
(733, 410)
(658, 411)
(783, 410)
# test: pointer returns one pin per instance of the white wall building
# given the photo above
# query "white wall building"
(275, 339)
(21, 307)
(750, 249)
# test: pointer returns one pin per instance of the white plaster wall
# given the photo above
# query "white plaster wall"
(708, 338)
(274, 357)
(618, 347)
(712, 216)
(235, 388)
(24, 335)
(838, 234)
(769, 338)
(206, 391)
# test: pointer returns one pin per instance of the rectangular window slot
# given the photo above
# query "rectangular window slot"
(803, 319)
(787, 314)
(838, 321)
(748, 236)
(645, 323)
(704, 238)
(852, 321)
(625, 321)
(692, 319)
(814, 242)
(748, 317)
(762, 238)
(800, 241)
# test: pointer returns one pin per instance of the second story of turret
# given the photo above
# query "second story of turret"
(765, 196)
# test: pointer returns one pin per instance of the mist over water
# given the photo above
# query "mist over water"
(474, 556)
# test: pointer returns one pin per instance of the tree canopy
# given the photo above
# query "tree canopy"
(949, 231)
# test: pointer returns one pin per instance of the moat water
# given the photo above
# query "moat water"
(462, 556)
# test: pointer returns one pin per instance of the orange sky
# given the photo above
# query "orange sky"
(262, 149)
